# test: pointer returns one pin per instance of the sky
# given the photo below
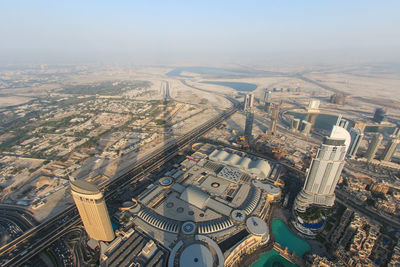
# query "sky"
(191, 32)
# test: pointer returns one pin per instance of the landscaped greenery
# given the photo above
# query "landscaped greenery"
(160, 122)
(313, 213)
(106, 88)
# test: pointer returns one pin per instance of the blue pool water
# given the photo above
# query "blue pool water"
(272, 259)
(285, 238)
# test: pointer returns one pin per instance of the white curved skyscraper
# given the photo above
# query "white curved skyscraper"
(324, 171)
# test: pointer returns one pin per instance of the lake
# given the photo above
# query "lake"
(238, 86)
(284, 237)
(215, 72)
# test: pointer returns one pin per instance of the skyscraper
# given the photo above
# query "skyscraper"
(295, 124)
(248, 101)
(249, 125)
(305, 127)
(324, 171)
(267, 95)
(373, 147)
(93, 210)
(344, 123)
(313, 105)
(390, 148)
(356, 137)
(274, 117)
(267, 100)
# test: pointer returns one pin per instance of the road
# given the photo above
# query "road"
(21, 249)
(347, 201)
(326, 87)
(21, 216)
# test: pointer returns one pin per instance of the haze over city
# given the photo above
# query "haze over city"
(207, 133)
(213, 32)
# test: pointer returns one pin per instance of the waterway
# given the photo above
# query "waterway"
(238, 86)
(215, 72)
(285, 238)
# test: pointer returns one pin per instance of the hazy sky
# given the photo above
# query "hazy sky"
(171, 32)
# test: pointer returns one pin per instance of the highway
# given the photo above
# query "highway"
(21, 249)
(19, 215)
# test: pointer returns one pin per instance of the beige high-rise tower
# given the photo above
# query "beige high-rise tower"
(93, 210)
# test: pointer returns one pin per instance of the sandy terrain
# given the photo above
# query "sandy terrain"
(13, 100)
(376, 87)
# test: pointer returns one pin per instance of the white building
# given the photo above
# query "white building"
(324, 171)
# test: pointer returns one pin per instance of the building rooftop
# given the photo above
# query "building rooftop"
(206, 203)
(195, 197)
(257, 167)
(196, 255)
(256, 226)
(83, 187)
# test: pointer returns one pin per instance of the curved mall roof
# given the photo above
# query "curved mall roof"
(258, 167)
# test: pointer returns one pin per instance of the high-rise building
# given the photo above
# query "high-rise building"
(312, 117)
(267, 95)
(324, 172)
(267, 100)
(344, 123)
(373, 147)
(93, 210)
(295, 124)
(305, 127)
(248, 129)
(379, 115)
(248, 101)
(274, 117)
(390, 148)
(165, 90)
(356, 137)
(313, 105)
